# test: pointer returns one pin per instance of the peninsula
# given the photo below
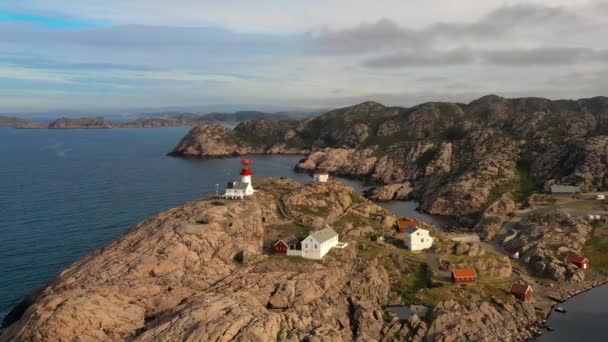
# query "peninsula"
(209, 270)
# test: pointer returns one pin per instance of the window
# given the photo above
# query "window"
(315, 246)
(305, 245)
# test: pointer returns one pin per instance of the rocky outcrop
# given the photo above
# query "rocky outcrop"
(399, 191)
(319, 203)
(495, 216)
(489, 321)
(579, 161)
(544, 239)
(88, 122)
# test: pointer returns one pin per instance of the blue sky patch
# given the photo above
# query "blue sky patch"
(49, 22)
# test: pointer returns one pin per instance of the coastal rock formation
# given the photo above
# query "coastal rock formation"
(457, 158)
(495, 216)
(489, 321)
(201, 272)
(91, 122)
(544, 239)
(398, 191)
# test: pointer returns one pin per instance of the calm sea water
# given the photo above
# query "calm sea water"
(584, 321)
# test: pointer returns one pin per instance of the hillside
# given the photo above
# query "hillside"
(454, 158)
(205, 271)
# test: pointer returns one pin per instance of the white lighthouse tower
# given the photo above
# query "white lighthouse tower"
(246, 171)
(243, 188)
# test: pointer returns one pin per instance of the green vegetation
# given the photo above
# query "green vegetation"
(522, 186)
(288, 229)
(314, 211)
(355, 198)
(410, 283)
(589, 205)
(596, 248)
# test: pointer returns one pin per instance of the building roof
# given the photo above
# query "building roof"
(412, 230)
(576, 259)
(565, 189)
(464, 273)
(408, 223)
(238, 185)
(520, 288)
(288, 241)
(324, 234)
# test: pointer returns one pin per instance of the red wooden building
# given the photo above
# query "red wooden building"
(464, 276)
(281, 246)
(522, 292)
(579, 261)
(403, 225)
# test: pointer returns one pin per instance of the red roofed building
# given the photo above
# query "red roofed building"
(403, 225)
(579, 261)
(522, 292)
(464, 276)
(283, 245)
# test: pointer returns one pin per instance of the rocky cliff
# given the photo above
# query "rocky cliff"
(455, 159)
(204, 272)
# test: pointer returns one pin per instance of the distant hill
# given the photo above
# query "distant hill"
(69, 123)
(9, 121)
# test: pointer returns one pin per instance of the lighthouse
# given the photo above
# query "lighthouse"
(246, 171)
(244, 187)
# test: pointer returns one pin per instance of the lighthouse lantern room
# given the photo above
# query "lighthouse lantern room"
(244, 187)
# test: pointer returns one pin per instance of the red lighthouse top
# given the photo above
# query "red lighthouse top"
(246, 167)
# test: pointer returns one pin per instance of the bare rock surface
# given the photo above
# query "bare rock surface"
(546, 238)
(495, 216)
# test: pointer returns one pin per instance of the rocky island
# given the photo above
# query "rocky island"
(205, 271)
(453, 158)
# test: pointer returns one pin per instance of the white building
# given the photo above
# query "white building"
(321, 177)
(238, 190)
(317, 244)
(417, 239)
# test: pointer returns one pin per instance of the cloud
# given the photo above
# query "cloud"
(457, 56)
(368, 37)
(535, 57)
(550, 56)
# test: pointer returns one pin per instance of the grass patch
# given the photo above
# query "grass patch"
(356, 198)
(589, 205)
(410, 283)
(596, 248)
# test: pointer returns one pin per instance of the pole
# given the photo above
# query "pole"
(217, 190)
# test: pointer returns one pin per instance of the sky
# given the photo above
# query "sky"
(127, 54)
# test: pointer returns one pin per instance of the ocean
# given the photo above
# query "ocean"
(65, 193)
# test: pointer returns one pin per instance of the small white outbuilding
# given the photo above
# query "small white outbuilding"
(321, 177)
(417, 239)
